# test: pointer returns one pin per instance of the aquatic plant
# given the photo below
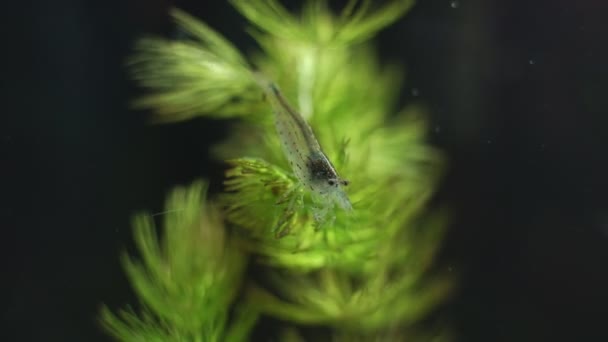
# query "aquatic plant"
(360, 276)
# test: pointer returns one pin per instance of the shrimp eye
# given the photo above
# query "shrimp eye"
(331, 182)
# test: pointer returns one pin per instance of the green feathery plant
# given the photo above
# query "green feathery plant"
(365, 276)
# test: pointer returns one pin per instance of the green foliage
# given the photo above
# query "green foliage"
(366, 275)
(189, 77)
(186, 281)
(317, 25)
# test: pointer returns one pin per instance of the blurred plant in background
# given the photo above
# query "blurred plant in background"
(364, 277)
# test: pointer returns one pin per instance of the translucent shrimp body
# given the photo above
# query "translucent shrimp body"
(310, 165)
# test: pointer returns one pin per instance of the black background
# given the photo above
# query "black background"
(516, 92)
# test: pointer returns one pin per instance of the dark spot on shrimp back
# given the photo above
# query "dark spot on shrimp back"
(320, 168)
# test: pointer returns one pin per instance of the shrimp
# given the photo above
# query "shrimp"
(310, 165)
